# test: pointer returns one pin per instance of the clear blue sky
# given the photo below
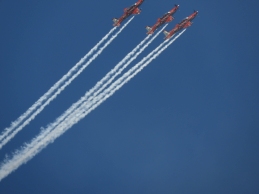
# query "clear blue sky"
(188, 123)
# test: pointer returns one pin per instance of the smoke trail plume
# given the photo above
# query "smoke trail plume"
(52, 89)
(108, 78)
(60, 89)
(37, 144)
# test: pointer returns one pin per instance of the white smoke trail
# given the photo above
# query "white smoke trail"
(128, 63)
(101, 84)
(60, 89)
(52, 89)
(37, 144)
(135, 70)
(79, 114)
(125, 78)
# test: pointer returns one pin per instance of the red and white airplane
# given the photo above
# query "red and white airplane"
(164, 19)
(127, 12)
(185, 23)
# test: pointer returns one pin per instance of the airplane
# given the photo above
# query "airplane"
(127, 12)
(164, 19)
(185, 23)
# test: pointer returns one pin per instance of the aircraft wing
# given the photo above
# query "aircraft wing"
(169, 19)
(188, 24)
(136, 11)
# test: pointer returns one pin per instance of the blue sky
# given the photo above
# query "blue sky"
(188, 123)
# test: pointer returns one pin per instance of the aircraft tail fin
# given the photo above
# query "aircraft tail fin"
(115, 21)
(148, 28)
(166, 33)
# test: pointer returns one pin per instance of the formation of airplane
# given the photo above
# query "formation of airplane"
(185, 23)
(132, 10)
(166, 18)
